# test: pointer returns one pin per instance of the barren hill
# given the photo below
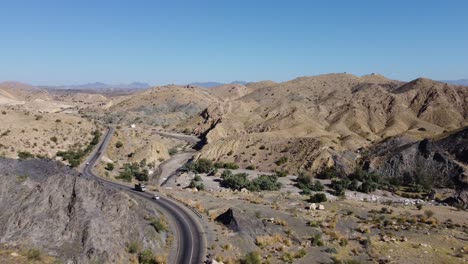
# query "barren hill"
(309, 120)
(161, 106)
(18, 93)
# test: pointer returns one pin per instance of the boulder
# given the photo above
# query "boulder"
(241, 222)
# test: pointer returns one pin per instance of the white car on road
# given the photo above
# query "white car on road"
(155, 197)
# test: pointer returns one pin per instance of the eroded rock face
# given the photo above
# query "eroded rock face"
(443, 161)
(46, 205)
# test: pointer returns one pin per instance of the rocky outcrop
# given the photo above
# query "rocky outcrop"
(46, 205)
(242, 223)
(442, 162)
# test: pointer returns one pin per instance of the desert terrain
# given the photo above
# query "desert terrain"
(334, 168)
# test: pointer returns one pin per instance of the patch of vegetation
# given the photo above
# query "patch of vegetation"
(240, 181)
(329, 173)
(134, 247)
(305, 183)
(133, 170)
(318, 198)
(250, 167)
(253, 257)
(25, 155)
(119, 144)
(146, 257)
(158, 225)
(281, 161)
(110, 166)
(75, 155)
(172, 151)
(197, 183)
(34, 254)
(316, 240)
(200, 166)
(281, 173)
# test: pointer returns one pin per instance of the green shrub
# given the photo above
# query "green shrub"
(34, 254)
(318, 198)
(119, 144)
(253, 257)
(110, 166)
(265, 183)
(146, 257)
(54, 139)
(429, 213)
(25, 155)
(234, 181)
(172, 151)
(239, 181)
(316, 240)
(339, 186)
(317, 186)
(134, 247)
(281, 173)
(158, 225)
(367, 187)
(329, 173)
(281, 161)
(250, 167)
(231, 166)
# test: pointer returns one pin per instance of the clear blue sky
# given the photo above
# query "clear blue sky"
(70, 42)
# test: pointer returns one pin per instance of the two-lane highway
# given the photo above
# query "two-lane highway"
(188, 231)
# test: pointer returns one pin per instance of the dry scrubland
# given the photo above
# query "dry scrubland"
(281, 228)
(139, 145)
(333, 124)
(41, 134)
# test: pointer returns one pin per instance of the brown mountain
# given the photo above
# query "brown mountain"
(310, 120)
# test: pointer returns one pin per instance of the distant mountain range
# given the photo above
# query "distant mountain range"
(463, 82)
(102, 86)
(215, 84)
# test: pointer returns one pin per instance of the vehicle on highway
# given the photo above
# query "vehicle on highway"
(155, 197)
(140, 187)
(87, 163)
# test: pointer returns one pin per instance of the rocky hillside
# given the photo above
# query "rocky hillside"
(47, 206)
(306, 122)
(160, 106)
(441, 163)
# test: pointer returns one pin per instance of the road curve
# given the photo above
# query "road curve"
(190, 236)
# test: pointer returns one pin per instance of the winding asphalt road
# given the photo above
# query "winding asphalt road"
(191, 242)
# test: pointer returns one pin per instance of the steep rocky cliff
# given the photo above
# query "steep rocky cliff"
(48, 206)
(441, 163)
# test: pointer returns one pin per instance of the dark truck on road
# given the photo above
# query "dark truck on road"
(140, 187)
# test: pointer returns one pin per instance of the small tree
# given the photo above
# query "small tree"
(119, 144)
(318, 198)
(110, 166)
